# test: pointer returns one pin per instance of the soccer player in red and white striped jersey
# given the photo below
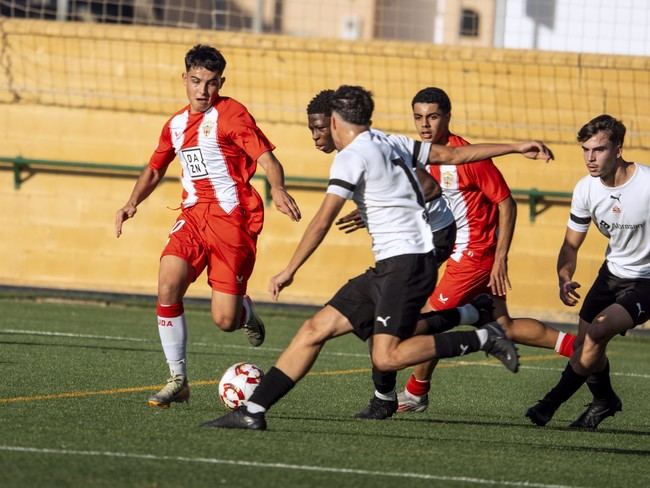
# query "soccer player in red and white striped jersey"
(485, 214)
(219, 146)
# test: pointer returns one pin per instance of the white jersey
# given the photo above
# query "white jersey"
(622, 214)
(379, 179)
(438, 210)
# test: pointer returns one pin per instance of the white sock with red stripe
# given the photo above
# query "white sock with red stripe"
(172, 329)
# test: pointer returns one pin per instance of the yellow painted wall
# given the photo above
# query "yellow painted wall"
(58, 229)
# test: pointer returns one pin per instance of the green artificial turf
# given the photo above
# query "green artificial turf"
(76, 378)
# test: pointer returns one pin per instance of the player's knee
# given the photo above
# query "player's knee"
(169, 292)
(225, 321)
(596, 335)
(385, 362)
(310, 333)
(598, 332)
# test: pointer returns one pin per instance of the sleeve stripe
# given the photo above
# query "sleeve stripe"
(412, 179)
(342, 183)
(416, 153)
(580, 220)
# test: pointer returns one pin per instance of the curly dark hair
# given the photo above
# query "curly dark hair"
(320, 104)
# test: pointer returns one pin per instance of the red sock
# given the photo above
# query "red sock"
(417, 387)
(565, 347)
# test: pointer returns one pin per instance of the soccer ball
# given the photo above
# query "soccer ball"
(238, 383)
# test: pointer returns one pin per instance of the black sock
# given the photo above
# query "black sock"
(452, 344)
(569, 383)
(600, 384)
(441, 321)
(274, 385)
(384, 382)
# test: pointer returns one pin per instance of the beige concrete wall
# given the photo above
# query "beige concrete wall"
(57, 229)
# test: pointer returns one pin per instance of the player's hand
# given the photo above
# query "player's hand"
(568, 293)
(499, 282)
(536, 150)
(125, 213)
(350, 222)
(278, 283)
(285, 203)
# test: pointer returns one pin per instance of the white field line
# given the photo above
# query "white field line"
(281, 466)
(276, 349)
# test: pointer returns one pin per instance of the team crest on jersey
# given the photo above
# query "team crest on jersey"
(616, 209)
(207, 126)
(448, 179)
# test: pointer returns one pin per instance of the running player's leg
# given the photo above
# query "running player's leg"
(622, 305)
(401, 286)
(532, 332)
(352, 309)
(460, 282)
(231, 253)
(182, 260)
(292, 365)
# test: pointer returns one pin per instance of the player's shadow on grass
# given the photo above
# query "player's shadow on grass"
(524, 425)
(428, 436)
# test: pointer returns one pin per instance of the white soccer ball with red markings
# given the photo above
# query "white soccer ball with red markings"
(238, 383)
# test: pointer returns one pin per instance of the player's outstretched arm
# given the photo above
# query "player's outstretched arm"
(567, 260)
(311, 239)
(439, 154)
(147, 182)
(275, 174)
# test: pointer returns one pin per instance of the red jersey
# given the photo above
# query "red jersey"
(218, 151)
(473, 191)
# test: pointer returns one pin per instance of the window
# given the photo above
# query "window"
(469, 23)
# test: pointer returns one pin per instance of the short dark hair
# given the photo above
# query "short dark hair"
(320, 104)
(614, 129)
(433, 94)
(354, 104)
(204, 56)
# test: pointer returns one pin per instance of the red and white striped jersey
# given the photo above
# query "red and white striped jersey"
(218, 151)
(473, 191)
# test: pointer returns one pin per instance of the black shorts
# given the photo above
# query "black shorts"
(387, 299)
(443, 242)
(632, 294)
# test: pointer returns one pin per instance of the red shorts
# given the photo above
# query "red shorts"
(204, 235)
(462, 281)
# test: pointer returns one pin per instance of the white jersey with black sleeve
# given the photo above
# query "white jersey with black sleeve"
(438, 210)
(379, 179)
(622, 214)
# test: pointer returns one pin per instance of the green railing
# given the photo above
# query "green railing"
(538, 200)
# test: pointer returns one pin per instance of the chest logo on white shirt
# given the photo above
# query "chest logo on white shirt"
(194, 162)
(206, 127)
(448, 179)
